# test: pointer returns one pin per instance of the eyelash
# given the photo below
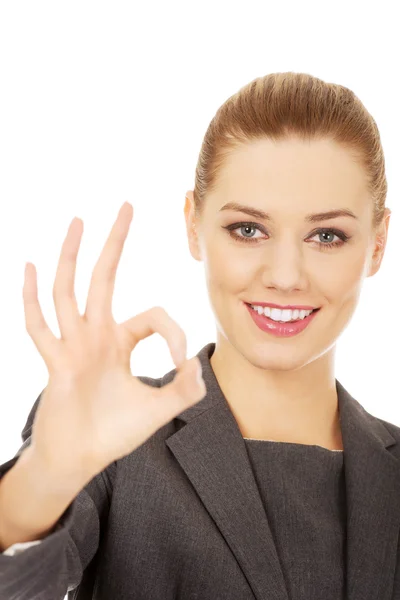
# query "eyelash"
(343, 237)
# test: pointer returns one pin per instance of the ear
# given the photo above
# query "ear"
(191, 226)
(380, 244)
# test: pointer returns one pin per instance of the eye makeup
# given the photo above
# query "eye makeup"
(343, 237)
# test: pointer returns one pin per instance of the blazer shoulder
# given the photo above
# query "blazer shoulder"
(393, 429)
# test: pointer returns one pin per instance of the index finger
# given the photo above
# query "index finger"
(101, 290)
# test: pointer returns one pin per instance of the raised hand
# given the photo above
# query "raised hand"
(93, 410)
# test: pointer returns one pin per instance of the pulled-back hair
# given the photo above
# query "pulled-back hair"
(281, 106)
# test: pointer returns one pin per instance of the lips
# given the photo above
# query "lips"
(280, 329)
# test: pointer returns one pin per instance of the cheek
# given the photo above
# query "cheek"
(229, 271)
(344, 280)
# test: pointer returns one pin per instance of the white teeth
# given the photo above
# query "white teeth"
(276, 314)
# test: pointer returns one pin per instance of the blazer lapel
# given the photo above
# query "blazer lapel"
(211, 450)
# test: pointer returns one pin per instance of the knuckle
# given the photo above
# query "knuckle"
(102, 341)
(127, 337)
(29, 329)
(31, 324)
(159, 311)
(173, 327)
(158, 314)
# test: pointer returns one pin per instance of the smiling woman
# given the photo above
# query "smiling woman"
(234, 486)
(290, 151)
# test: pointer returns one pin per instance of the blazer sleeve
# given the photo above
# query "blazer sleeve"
(54, 566)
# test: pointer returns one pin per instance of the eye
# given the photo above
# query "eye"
(329, 232)
(342, 238)
(243, 226)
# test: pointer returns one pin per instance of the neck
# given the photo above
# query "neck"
(299, 406)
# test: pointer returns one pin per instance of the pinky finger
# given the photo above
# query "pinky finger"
(36, 326)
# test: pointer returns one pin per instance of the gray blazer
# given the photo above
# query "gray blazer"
(181, 517)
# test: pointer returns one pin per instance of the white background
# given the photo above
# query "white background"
(106, 102)
(102, 102)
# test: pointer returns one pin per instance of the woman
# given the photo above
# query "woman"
(232, 485)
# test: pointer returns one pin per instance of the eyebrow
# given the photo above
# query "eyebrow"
(312, 218)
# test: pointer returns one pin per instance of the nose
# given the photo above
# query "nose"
(284, 268)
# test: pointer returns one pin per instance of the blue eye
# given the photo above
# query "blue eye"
(343, 237)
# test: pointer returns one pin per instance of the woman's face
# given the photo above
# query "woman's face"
(287, 259)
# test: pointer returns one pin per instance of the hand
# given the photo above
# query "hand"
(93, 410)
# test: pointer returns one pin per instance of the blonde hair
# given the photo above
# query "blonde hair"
(282, 105)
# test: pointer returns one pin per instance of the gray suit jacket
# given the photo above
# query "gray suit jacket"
(181, 517)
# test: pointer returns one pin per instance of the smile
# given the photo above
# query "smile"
(285, 328)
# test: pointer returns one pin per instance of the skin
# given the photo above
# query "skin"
(283, 389)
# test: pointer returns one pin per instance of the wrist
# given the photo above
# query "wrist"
(55, 479)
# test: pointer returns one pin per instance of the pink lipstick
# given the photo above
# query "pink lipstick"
(280, 329)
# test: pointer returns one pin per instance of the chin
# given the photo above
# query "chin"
(270, 355)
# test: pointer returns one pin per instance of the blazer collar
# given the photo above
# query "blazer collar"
(210, 449)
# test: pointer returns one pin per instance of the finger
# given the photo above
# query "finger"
(43, 338)
(63, 291)
(99, 301)
(155, 320)
(186, 389)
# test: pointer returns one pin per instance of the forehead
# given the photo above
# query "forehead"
(292, 169)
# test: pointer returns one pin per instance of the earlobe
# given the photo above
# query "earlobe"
(194, 246)
(189, 213)
(191, 226)
(194, 242)
(380, 245)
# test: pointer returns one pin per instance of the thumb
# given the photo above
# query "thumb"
(189, 379)
(184, 391)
